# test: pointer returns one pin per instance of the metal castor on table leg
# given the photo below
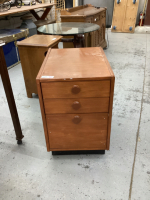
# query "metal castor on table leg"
(19, 142)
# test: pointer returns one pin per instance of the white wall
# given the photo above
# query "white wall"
(110, 4)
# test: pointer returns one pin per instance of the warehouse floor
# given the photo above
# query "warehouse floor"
(29, 172)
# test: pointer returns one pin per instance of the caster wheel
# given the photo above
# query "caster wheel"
(19, 142)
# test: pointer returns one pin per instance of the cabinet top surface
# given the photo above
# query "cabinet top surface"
(75, 64)
(83, 10)
(40, 40)
(87, 11)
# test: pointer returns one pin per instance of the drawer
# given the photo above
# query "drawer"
(85, 105)
(96, 18)
(82, 89)
(77, 131)
(89, 20)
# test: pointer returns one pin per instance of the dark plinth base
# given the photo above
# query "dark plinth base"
(78, 152)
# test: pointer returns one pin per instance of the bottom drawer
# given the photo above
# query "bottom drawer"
(77, 131)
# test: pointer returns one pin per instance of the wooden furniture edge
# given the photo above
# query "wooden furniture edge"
(54, 44)
(122, 31)
(78, 16)
(110, 111)
(107, 63)
(41, 101)
(46, 80)
(65, 12)
(14, 10)
(43, 65)
(20, 43)
(110, 100)
(83, 149)
(72, 16)
(43, 114)
(73, 9)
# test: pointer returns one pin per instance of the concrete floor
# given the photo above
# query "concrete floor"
(28, 172)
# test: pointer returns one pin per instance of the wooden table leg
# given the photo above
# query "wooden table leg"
(35, 14)
(10, 96)
(79, 39)
(75, 41)
(46, 11)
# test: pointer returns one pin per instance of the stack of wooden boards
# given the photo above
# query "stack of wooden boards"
(124, 16)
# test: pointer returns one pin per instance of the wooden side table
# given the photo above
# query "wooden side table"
(75, 88)
(32, 53)
(10, 96)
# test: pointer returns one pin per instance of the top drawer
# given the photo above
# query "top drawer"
(78, 89)
(89, 19)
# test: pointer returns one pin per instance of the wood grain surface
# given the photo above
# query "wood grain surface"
(40, 41)
(84, 105)
(90, 132)
(124, 16)
(32, 53)
(76, 63)
(87, 89)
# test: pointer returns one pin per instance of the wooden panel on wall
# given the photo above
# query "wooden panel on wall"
(124, 16)
(118, 15)
(130, 17)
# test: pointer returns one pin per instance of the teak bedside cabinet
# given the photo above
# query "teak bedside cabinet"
(75, 88)
(32, 53)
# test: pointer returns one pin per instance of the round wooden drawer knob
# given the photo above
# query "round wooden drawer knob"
(76, 105)
(76, 119)
(75, 89)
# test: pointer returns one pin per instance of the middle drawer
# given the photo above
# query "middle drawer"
(84, 105)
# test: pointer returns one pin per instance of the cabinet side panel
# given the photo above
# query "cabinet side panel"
(41, 100)
(43, 113)
(110, 111)
(31, 61)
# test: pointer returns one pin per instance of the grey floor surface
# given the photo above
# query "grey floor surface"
(29, 172)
